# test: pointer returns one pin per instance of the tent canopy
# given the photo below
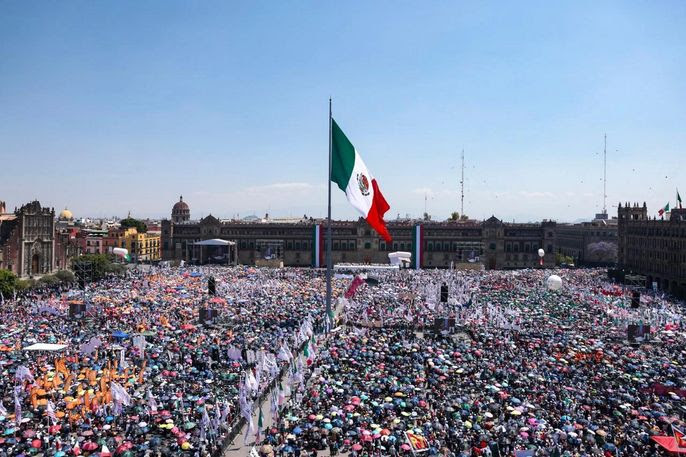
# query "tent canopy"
(45, 347)
(214, 242)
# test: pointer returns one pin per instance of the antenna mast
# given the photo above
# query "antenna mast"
(462, 188)
(605, 176)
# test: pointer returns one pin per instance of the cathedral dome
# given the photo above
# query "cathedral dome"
(181, 212)
(66, 215)
(180, 206)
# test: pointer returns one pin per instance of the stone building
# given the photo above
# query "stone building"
(653, 248)
(302, 243)
(591, 243)
(27, 240)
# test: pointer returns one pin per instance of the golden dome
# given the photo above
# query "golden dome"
(66, 214)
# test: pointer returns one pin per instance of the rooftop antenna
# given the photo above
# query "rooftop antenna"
(462, 187)
(605, 176)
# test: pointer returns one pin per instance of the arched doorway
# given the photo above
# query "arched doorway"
(35, 264)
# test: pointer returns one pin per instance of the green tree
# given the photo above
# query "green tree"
(561, 258)
(135, 223)
(49, 280)
(94, 267)
(65, 276)
(454, 216)
(8, 283)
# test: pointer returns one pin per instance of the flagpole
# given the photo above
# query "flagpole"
(328, 229)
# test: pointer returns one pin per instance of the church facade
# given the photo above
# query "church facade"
(27, 240)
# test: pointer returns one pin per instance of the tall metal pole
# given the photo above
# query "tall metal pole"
(605, 176)
(462, 187)
(328, 229)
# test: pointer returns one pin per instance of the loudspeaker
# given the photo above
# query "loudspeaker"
(77, 310)
(212, 286)
(444, 324)
(207, 315)
(444, 293)
(637, 332)
(635, 299)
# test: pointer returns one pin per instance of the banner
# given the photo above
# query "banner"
(417, 442)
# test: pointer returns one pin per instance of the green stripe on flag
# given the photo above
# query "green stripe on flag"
(342, 157)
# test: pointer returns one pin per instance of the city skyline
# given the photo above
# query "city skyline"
(114, 108)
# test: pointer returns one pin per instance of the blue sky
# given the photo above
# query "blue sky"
(107, 107)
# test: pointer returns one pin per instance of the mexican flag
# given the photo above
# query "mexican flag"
(260, 424)
(663, 210)
(361, 189)
(678, 198)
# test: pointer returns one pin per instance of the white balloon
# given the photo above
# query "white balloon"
(554, 282)
(541, 252)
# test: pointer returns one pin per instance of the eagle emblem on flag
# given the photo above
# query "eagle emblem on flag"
(363, 183)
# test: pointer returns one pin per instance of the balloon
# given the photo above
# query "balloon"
(541, 252)
(120, 252)
(554, 282)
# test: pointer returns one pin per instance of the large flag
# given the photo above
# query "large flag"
(679, 437)
(663, 210)
(361, 189)
(678, 198)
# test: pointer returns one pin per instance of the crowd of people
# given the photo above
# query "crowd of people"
(500, 366)
(526, 371)
(140, 375)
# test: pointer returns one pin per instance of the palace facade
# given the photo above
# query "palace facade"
(492, 243)
(653, 248)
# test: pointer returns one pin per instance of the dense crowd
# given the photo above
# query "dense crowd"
(139, 374)
(529, 372)
(520, 370)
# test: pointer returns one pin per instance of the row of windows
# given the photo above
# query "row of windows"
(524, 247)
(655, 231)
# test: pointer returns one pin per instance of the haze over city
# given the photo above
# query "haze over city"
(114, 107)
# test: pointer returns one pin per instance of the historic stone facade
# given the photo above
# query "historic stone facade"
(27, 240)
(654, 248)
(442, 244)
(589, 243)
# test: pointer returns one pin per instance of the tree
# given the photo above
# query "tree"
(135, 223)
(48, 280)
(454, 216)
(94, 267)
(65, 276)
(602, 252)
(8, 283)
(561, 258)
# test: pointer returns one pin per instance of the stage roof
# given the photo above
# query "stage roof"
(45, 347)
(214, 242)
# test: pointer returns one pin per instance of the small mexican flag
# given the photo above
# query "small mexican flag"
(663, 210)
(260, 424)
(361, 189)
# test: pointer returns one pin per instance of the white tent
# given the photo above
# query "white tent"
(400, 258)
(214, 242)
(45, 347)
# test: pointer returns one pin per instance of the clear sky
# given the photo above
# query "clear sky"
(111, 106)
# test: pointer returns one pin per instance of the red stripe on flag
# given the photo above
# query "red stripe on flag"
(376, 212)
